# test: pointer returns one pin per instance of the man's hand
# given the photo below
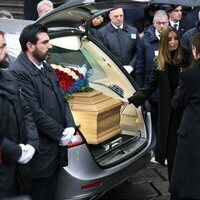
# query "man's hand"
(128, 68)
(76, 138)
(67, 136)
(125, 103)
(27, 153)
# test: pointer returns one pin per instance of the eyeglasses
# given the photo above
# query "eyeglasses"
(163, 23)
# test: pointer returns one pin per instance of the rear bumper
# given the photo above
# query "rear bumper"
(69, 187)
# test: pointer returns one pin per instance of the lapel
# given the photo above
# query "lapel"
(47, 79)
(181, 29)
(33, 70)
(111, 28)
(125, 27)
(53, 81)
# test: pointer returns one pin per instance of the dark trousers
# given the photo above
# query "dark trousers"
(45, 188)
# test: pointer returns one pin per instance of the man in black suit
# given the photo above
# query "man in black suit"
(52, 115)
(176, 19)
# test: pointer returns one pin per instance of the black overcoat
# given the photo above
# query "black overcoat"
(185, 179)
(50, 113)
(16, 127)
(167, 136)
(183, 26)
(122, 43)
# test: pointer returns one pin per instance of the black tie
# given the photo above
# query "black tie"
(43, 71)
(176, 26)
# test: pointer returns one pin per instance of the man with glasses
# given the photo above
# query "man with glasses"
(145, 57)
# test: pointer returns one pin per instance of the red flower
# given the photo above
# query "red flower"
(66, 81)
(71, 80)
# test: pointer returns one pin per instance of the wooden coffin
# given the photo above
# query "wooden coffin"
(97, 114)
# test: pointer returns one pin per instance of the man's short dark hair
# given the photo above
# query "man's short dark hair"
(29, 34)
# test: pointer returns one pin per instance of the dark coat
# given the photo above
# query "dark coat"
(136, 18)
(145, 59)
(166, 135)
(183, 26)
(186, 40)
(30, 9)
(185, 179)
(122, 43)
(50, 113)
(17, 126)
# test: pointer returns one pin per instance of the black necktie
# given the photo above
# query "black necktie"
(176, 26)
(43, 71)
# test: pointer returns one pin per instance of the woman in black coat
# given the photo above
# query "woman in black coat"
(165, 77)
(185, 179)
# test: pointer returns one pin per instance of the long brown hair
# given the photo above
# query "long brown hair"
(196, 44)
(164, 55)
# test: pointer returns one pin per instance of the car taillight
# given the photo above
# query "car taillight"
(91, 186)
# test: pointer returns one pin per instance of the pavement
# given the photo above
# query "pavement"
(150, 183)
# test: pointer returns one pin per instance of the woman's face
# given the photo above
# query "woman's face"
(97, 20)
(172, 41)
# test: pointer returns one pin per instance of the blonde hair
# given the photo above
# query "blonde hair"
(164, 55)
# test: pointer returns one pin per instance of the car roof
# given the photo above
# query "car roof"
(75, 12)
(13, 25)
(71, 14)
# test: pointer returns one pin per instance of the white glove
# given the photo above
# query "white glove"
(128, 68)
(67, 136)
(27, 153)
(76, 138)
(31, 150)
(125, 103)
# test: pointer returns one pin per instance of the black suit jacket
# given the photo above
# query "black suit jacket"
(183, 26)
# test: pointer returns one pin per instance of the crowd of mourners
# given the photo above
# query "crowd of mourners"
(159, 46)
